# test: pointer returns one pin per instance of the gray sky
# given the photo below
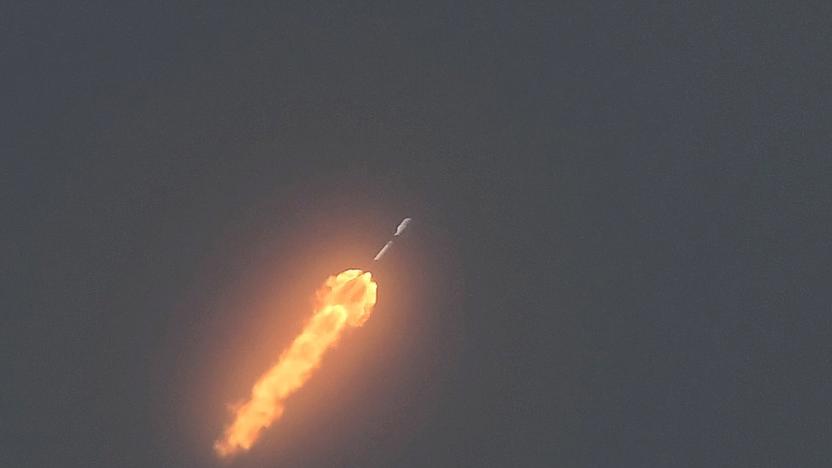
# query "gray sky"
(620, 253)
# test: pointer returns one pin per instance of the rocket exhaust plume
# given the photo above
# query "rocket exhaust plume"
(344, 299)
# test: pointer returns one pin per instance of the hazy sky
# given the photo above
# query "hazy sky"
(620, 255)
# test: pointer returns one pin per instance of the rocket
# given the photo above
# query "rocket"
(399, 230)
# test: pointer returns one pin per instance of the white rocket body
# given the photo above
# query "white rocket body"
(402, 226)
(399, 230)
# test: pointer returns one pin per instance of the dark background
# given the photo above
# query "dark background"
(622, 240)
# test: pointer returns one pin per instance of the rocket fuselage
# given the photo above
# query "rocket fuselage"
(399, 230)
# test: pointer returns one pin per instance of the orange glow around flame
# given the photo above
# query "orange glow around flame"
(344, 299)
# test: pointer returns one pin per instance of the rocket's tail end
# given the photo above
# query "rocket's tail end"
(383, 251)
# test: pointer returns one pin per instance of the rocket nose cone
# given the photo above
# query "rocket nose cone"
(402, 226)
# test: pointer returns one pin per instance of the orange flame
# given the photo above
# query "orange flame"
(344, 299)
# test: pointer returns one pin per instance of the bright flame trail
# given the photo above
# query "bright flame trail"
(344, 299)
